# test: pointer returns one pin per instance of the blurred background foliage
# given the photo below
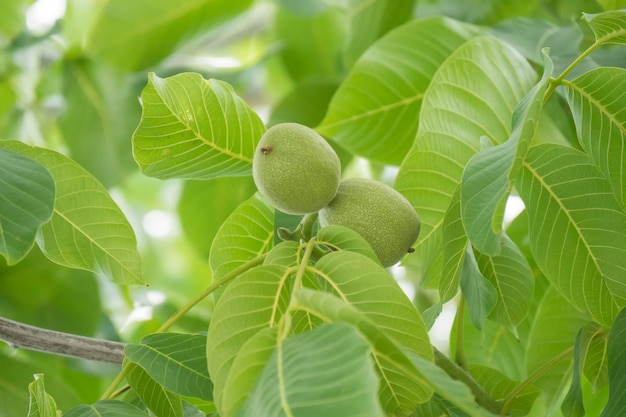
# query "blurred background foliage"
(71, 73)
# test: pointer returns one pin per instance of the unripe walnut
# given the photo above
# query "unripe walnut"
(379, 213)
(295, 169)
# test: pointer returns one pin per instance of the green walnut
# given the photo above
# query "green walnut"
(295, 169)
(380, 214)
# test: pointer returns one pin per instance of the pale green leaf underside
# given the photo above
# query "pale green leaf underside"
(344, 238)
(609, 27)
(26, 199)
(616, 353)
(87, 230)
(253, 302)
(363, 283)
(41, 403)
(156, 397)
(577, 230)
(597, 101)
(473, 94)
(401, 385)
(194, 128)
(176, 361)
(325, 372)
(106, 408)
(246, 367)
(375, 111)
(247, 233)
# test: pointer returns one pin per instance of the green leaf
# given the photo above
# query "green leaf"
(612, 4)
(194, 128)
(304, 7)
(156, 397)
(596, 99)
(472, 95)
(344, 238)
(87, 230)
(175, 361)
(511, 276)
(41, 403)
(312, 43)
(551, 344)
(609, 27)
(246, 368)
(480, 295)
(370, 20)
(530, 36)
(454, 249)
(254, 301)
(247, 233)
(362, 283)
(488, 176)
(327, 371)
(205, 205)
(402, 386)
(53, 305)
(154, 28)
(285, 253)
(577, 229)
(486, 12)
(374, 113)
(450, 389)
(306, 104)
(106, 408)
(26, 199)
(573, 403)
(12, 18)
(499, 386)
(595, 365)
(100, 115)
(616, 354)
(493, 346)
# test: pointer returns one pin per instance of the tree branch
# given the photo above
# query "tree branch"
(34, 338)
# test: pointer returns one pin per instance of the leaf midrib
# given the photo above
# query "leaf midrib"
(95, 243)
(571, 221)
(204, 84)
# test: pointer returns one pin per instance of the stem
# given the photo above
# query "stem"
(109, 393)
(43, 340)
(554, 83)
(460, 374)
(460, 357)
(508, 401)
(285, 321)
(210, 289)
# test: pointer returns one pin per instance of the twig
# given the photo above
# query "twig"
(35, 338)
(460, 374)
